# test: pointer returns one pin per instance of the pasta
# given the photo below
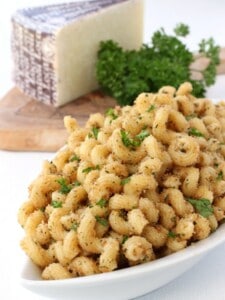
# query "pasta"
(133, 185)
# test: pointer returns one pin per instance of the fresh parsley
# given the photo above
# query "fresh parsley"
(124, 239)
(191, 116)
(75, 158)
(220, 176)
(124, 74)
(171, 234)
(89, 169)
(151, 108)
(74, 226)
(64, 187)
(195, 132)
(111, 113)
(95, 132)
(181, 30)
(76, 183)
(133, 142)
(102, 202)
(125, 180)
(142, 135)
(56, 204)
(101, 221)
(203, 206)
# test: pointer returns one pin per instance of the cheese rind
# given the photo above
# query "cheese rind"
(54, 60)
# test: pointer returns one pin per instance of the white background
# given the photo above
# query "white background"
(207, 279)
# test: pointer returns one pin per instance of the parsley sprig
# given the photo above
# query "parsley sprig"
(125, 180)
(195, 132)
(203, 206)
(101, 221)
(65, 188)
(56, 204)
(94, 133)
(111, 113)
(124, 74)
(220, 176)
(102, 202)
(89, 169)
(74, 158)
(135, 142)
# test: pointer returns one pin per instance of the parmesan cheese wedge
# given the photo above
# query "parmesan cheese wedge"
(55, 47)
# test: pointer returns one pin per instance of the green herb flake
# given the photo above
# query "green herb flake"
(111, 113)
(203, 206)
(125, 181)
(102, 202)
(128, 142)
(133, 142)
(76, 183)
(151, 108)
(74, 158)
(124, 239)
(89, 169)
(101, 221)
(171, 234)
(95, 132)
(195, 132)
(220, 176)
(191, 116)
(142, 135)
(64, 187)
(74, 226)
(56, 204)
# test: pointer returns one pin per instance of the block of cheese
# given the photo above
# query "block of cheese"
(54, 47)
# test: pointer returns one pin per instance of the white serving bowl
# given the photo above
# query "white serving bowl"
(122, 284)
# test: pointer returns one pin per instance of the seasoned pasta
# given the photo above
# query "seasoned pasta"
(133, 185)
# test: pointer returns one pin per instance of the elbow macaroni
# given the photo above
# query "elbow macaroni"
(145, 181)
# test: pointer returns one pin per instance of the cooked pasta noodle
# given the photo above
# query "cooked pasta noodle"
(133, 185)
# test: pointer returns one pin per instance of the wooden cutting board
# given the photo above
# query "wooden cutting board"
(29, 125)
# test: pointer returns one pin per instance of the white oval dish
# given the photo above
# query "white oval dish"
(122, 284)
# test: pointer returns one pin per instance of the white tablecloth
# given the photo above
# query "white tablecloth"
(207, 279)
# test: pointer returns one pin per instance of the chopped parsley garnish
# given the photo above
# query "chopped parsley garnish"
(142, 135)
(89, 169)
(64, 187)
(102, 202)
(124, 239)
(125, 181)
(74, 226)
(151, 108)
(101, 221)
(203, 206)
(56, 204)
(171, 234)
(95, 132)
(75, 158)
(220, 176)
(111, 113)
(133, 142)
(195, 132)
(191, 116)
